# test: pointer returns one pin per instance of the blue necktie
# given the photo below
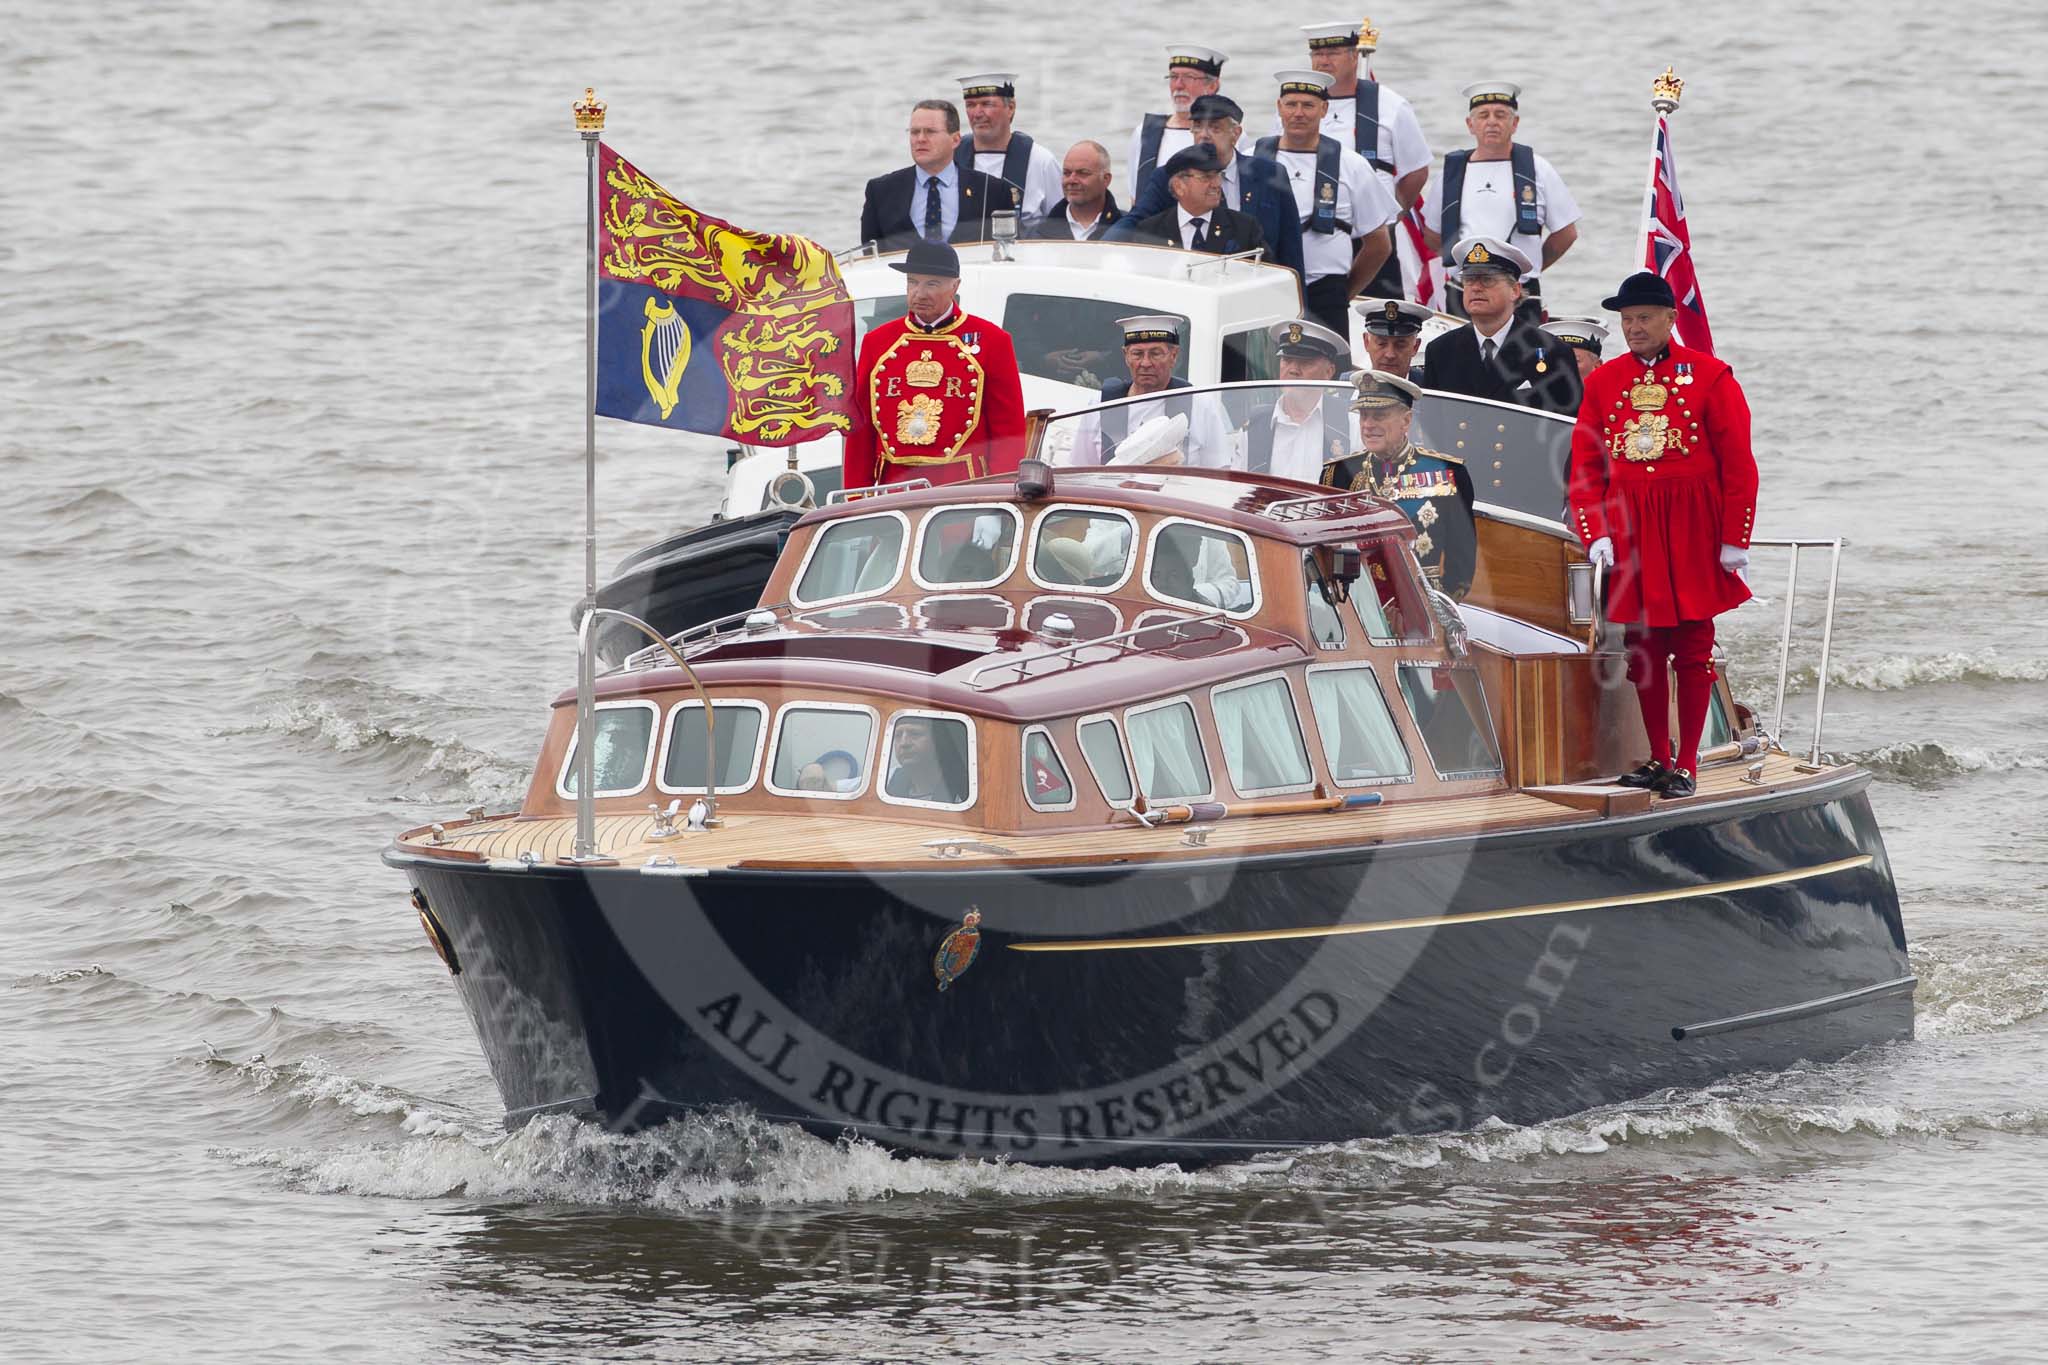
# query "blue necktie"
(934, 217)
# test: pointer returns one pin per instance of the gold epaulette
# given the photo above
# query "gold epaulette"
(1439, 455)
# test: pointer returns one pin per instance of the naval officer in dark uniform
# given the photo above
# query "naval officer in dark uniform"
(1501, 355)
(1430, 486)
(1393, 335)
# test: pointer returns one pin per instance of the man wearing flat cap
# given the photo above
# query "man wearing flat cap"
(1584, 336)
(932, 199)
(1432, 488)
(1250, 185)
(1376, 122)
(1502, 189)
(1663, 493)
(1198, 220)
(1502, 355)
(936, 393)
(1303, 429)
(1151, 354)
(1341, 203)
(1191, 72)
(1393, 335)
(995, 148)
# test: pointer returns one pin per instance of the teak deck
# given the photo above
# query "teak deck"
(807, 840)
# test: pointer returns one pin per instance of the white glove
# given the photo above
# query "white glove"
(987, 531)
(1734, 559)
(1601, 551)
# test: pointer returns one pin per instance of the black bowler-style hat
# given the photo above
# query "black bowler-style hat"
(930, 258)
(1644, 289)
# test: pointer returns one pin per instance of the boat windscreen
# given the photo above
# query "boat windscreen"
(852, 558)
(1449, 706)
(1517, 457)
(1075, 340)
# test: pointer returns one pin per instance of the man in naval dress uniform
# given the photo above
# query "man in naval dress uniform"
(1663, 493)
(1342, 203)
(1377, 123)
(1503, 189)
(1432, 488)
(1151, 351)
(936, 391)
(1502, 355)
(1252, 186)
(1393, 335)
(1191, 72)
(996, 149)
(1302, 430)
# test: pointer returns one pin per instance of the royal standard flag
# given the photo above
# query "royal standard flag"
(704, 327)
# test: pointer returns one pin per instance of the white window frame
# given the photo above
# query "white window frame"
(668, 735)
(1379, 687)
(1251, 560)
(818, 538)
(973, 761)
(1123, 747)
(1066, 770)
(1300, 733)
(646, 769)
(1009, 611)
(1499, 770)
(1115, 613)
(867, 765)
(1016, 545)
(1075, 589)
(1184, 699)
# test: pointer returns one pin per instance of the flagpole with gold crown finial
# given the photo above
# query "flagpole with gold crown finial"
(1664, 93)
(589, 113)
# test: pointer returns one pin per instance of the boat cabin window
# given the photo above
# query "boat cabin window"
(622, 750)
(1166, 750)
(739, 726)
(1084, 548)
(1046, 784)
(1262, 745)
(967, 547)
(1360, 742)
(822, 750)
(1104, 753)
(1389, 600)
(1449, 707)
(852, 559)
(929, 761)
(1202, 565)
(1076, 341)
(1325, 622)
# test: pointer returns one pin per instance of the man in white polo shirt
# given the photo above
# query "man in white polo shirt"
(1373, 120)
(1501, 189)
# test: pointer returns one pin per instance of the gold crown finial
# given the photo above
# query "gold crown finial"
(589, 112)
(1368, 36)
(1665, 90)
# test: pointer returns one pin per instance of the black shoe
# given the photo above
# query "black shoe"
(1650, 776)
(1677, 783)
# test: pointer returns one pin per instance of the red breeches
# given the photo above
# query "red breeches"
(1688, 648)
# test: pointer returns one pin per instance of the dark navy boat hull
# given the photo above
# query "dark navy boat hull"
(1561, 982)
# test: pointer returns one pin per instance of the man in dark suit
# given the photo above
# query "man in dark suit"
(1501, 355)
(1086, 209)
(1250, 185)
(933, 200)
(1197, 221)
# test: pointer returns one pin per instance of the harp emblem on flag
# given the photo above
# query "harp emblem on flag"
(664, 354)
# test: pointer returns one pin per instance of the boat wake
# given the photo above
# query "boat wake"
(1898, 672)
(1931, 765)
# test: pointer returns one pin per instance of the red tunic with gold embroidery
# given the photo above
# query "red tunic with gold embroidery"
(1661, 464)
(941, 403)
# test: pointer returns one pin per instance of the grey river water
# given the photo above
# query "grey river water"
(290, 386)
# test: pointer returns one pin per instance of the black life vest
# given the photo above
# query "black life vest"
(1016, 163)
(1322, 213)
(1522, 162)
(1365, 126)
(1116, 422)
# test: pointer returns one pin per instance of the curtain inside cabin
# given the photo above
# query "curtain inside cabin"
(1262, 745)
(1359, 737)
(1167, 749)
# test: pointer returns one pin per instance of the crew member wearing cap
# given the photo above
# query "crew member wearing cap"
(1502, 355)
(932, 199)
(1151, 352)
(1377, 123)
(936, 391)
(1191, 71)
(1198, 221)
(1432, 488)
(1303, 429)
(1250, 185)
(1663, 492)
(1086, 209)
(1342, 203)
(1393, 335)
(1026, 169)
(1500, 188)
(1584, 336)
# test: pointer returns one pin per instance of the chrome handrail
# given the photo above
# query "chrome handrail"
(1827, 635)
(1257, 253)
(586, 811)
(703, 633)
(838, 497)
(1121, 641)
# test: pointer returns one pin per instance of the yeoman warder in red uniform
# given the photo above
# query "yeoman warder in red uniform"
(937, 394)
(1663, 490)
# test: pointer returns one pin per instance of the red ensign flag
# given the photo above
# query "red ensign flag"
(1667, 245)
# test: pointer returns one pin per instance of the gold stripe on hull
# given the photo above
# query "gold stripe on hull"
(1091, 945)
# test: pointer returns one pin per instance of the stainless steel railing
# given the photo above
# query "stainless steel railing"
(1827, 633)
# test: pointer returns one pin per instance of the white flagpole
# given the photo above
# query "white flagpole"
(590, 125)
